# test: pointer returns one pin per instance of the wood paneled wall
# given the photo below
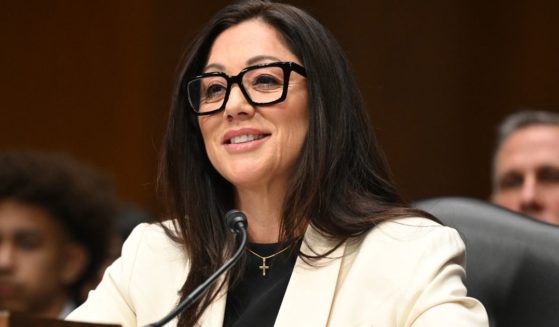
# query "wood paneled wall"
(94, 78)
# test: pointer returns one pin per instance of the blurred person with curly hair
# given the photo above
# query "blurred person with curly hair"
(55, 229)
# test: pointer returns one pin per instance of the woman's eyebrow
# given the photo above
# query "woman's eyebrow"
(216, 67)
(249, 62)
(257, 59)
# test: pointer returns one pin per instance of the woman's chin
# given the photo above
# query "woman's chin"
(248, 182)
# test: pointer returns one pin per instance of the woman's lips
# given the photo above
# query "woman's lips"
(244, 139)
(243, 135)
(245, 143)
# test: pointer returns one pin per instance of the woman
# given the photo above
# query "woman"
(268, 119)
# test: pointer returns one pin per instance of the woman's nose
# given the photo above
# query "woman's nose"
(237, 105)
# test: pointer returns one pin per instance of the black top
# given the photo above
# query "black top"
(256, 299)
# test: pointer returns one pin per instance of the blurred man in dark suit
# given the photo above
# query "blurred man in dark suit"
(55, 228)
(526, 165)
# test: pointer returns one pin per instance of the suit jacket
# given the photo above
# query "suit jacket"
(405, 272)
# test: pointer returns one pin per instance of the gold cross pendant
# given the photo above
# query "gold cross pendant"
(264, 267)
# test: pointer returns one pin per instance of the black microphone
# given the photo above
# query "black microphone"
(236, 221)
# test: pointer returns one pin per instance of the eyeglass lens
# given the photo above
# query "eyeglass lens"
(263, 85)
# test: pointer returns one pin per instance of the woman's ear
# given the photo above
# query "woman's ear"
(76, 259)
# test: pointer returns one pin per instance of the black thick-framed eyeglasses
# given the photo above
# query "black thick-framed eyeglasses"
(261, 85)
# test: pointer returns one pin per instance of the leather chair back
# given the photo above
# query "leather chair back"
(512, 260)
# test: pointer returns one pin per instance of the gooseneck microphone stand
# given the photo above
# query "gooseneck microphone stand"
(237, 223)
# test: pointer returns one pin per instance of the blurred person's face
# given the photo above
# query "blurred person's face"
(527, 173)
(255, 146)
(36, 262)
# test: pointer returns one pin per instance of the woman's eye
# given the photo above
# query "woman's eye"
(214, 91)
(266, 82)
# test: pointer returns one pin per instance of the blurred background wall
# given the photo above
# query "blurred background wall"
(94, 79)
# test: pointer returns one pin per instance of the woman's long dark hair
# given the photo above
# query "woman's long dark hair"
(341, 184)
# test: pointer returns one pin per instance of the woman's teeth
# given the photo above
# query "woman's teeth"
(245, 138)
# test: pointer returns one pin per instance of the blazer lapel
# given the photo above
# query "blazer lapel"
(311, 289)
(213, 315)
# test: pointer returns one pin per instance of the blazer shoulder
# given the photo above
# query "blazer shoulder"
(406, 247)
(150, 234)
(414, 230)
(142, 285)
(411, 269)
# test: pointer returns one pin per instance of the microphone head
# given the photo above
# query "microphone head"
(235, 220)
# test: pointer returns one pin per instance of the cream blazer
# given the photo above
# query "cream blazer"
(406, 272)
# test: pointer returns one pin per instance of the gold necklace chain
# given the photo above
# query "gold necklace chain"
(264, 267)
